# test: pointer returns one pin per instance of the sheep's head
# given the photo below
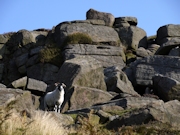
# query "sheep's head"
(58, 85)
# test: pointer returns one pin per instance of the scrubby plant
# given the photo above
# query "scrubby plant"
(12, 123)
(77, 38)
(51, 54)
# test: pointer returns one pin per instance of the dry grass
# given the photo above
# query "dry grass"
(39, 124)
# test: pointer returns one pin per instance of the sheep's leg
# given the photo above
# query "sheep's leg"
(59, 108)
(55, 108)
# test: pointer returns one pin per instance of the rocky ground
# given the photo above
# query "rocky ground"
(118, 79)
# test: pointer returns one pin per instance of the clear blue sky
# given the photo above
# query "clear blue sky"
(33, 14)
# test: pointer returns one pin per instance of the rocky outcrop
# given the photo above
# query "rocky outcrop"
(114, 75)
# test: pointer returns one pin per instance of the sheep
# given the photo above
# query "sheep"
(54, 99)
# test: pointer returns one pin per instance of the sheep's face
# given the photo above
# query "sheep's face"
(58, 85)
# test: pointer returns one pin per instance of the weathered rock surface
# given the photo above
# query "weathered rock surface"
(142, 71)
(22, 82)
(165, 48)
(98, 33)
(107, 17)
(30, 84)
(17, 98)
(45, 72)
(83, 71)
(119, 21)
(83, 97)
(107, 55)
(3, 38)
(153, 48)
(142, 52)
(166, 88)
(132, 37)
(25, 38)
(156, 111)
(36, 85)
(117, 81)
(175, 51)
(90, 21)
(169, 30)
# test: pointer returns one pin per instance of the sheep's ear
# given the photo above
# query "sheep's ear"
(63, 85)
(56, 84)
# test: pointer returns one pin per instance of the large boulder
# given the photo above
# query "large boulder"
(36, 85)
(20, 83)
(15, 98)
(170, 30)
(132, 37)
(125, 21)
(82, 71)
(117, 81)
(98, 33)
(166, 88)
(107, 17)
(107, 55)
(85, 97)
(142, 70)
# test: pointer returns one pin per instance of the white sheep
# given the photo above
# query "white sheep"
(54, 99)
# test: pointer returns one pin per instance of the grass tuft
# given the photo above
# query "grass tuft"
(40, 124)
(51, 54)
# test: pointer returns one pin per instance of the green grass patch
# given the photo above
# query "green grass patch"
(77, 38)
